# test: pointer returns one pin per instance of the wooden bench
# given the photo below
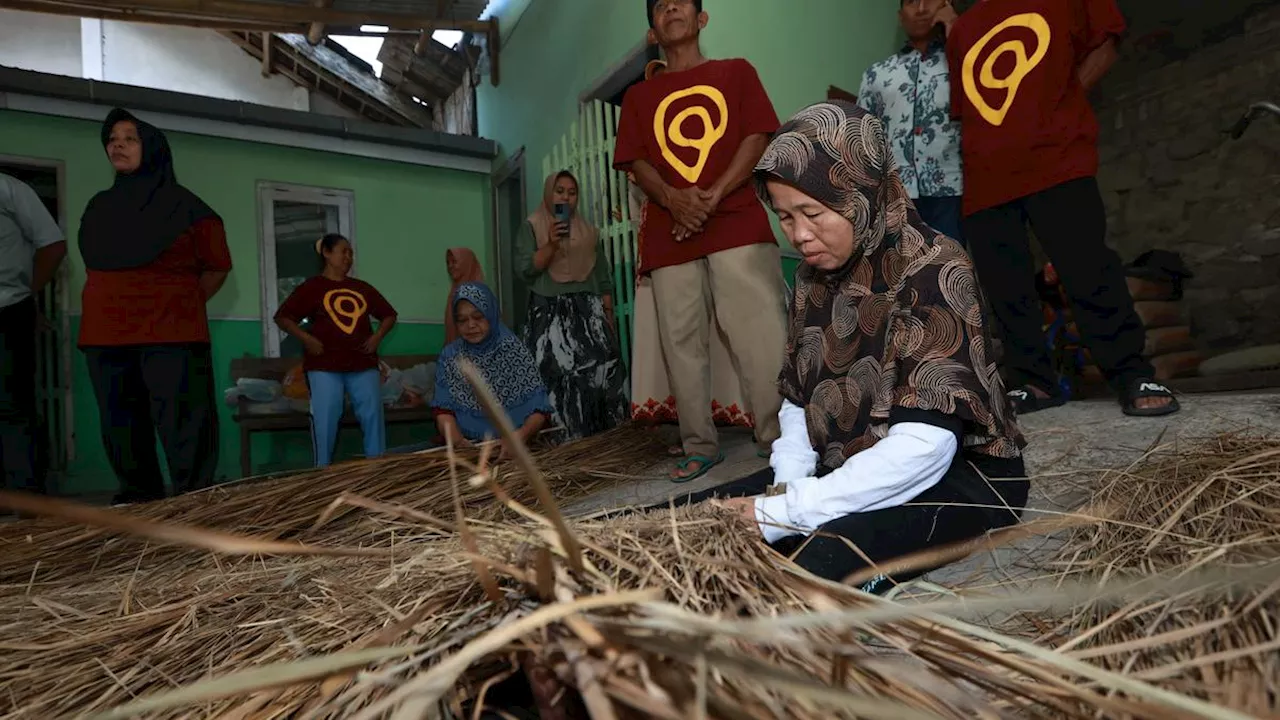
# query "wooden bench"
(275, 369)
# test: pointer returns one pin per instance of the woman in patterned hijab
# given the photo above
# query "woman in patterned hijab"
(501, 359)
(896, 432)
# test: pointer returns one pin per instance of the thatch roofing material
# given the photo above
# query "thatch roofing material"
(671, 614)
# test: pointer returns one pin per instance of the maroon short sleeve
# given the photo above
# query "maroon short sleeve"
(300, 304)
(629, 146)
(378, 306)
(758, 115)
(1100, 20)
(210, 238)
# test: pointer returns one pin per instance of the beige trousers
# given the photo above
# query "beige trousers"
(742, 288)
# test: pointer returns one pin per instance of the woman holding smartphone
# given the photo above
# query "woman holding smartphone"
(570, 329)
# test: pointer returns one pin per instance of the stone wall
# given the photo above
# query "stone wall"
(1173, 180)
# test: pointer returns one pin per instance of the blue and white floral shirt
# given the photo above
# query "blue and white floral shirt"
(911, 93)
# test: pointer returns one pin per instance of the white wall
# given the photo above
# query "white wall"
(40, 42)
(190, 60)
(322, 105)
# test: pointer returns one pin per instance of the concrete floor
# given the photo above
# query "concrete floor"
(1066, 448)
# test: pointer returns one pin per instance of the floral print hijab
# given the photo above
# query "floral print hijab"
(898, 327)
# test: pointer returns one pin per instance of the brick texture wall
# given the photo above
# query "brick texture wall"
(1173, 180)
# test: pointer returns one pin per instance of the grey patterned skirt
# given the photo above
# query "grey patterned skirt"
(577, 354)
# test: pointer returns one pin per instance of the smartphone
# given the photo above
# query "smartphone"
(562, 212)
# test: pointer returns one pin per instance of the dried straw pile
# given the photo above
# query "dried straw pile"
(1209, 504)
(412, 605)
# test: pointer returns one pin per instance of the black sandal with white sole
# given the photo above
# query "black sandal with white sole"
(1026, 401)
(1142, 389)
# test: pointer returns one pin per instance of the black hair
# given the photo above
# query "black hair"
(648, 4)
(327, 244)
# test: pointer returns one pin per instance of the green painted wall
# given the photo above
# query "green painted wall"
(405, 218)
(561, 47)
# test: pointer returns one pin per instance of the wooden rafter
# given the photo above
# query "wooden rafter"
(315, 33)
(424, 38)
(266, 54)
(305, 73)
(232, 14)
(493, 44)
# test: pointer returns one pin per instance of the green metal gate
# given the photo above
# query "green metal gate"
(587, 152)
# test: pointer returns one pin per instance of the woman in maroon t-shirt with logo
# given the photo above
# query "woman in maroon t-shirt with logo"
(342, 347)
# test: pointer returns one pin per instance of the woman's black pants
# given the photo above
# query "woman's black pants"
(962, 506)
(149, 390)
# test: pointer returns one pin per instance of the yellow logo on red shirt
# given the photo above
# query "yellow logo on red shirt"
(1023, 64)
(673, 133)
(345, 308)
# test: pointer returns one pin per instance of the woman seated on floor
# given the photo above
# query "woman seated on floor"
(896, 431)
(501, 359)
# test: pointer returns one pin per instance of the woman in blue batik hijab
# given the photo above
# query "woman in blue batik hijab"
(503, 361)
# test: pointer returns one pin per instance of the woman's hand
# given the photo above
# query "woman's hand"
(370, 346)
(559, 231)
(744, 507)
(313, 346)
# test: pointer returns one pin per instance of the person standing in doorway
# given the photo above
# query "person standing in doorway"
(155, 254)
(31, 249)
(910, 91)
(692, 136)
(342, 347)
(1030, 148)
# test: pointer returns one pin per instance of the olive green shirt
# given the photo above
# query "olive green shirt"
(600, 283)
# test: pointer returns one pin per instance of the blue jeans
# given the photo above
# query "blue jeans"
(328, 390)
(942, 214)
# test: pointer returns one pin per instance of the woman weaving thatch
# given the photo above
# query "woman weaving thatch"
(896, 432)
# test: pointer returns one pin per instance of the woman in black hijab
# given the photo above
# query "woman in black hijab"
(154, 254)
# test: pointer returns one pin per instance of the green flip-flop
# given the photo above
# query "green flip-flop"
(705, 464)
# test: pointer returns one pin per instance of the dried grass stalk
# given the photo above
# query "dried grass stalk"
(670, 614)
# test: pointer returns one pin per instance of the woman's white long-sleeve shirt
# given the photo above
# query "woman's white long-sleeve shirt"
(912, 458)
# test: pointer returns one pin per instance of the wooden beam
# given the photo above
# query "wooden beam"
(424, 38)
(315, 33)
(237, 13)
(266, 54)
(493, 45)
(109, 13)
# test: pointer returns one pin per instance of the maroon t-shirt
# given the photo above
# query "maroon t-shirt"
(688, 125)
(1026, 122)
(340, 312)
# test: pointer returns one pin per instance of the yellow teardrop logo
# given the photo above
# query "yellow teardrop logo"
(1023, 64)
(673, 133)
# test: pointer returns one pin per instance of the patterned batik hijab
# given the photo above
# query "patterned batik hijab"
(503, 361)
(901, 324)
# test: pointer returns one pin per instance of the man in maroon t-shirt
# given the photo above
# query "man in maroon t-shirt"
(1021, 71)
(691, 136)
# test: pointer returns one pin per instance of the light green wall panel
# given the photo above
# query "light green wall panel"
(405, 215)
(562, 47)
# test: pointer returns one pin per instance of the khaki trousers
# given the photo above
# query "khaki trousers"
(743, 288)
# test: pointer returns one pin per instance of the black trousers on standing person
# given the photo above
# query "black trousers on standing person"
(1070, 222)
(147, 390)
(18, 396)
(977, 494)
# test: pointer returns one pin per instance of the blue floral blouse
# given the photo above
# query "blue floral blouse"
(911, 93)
